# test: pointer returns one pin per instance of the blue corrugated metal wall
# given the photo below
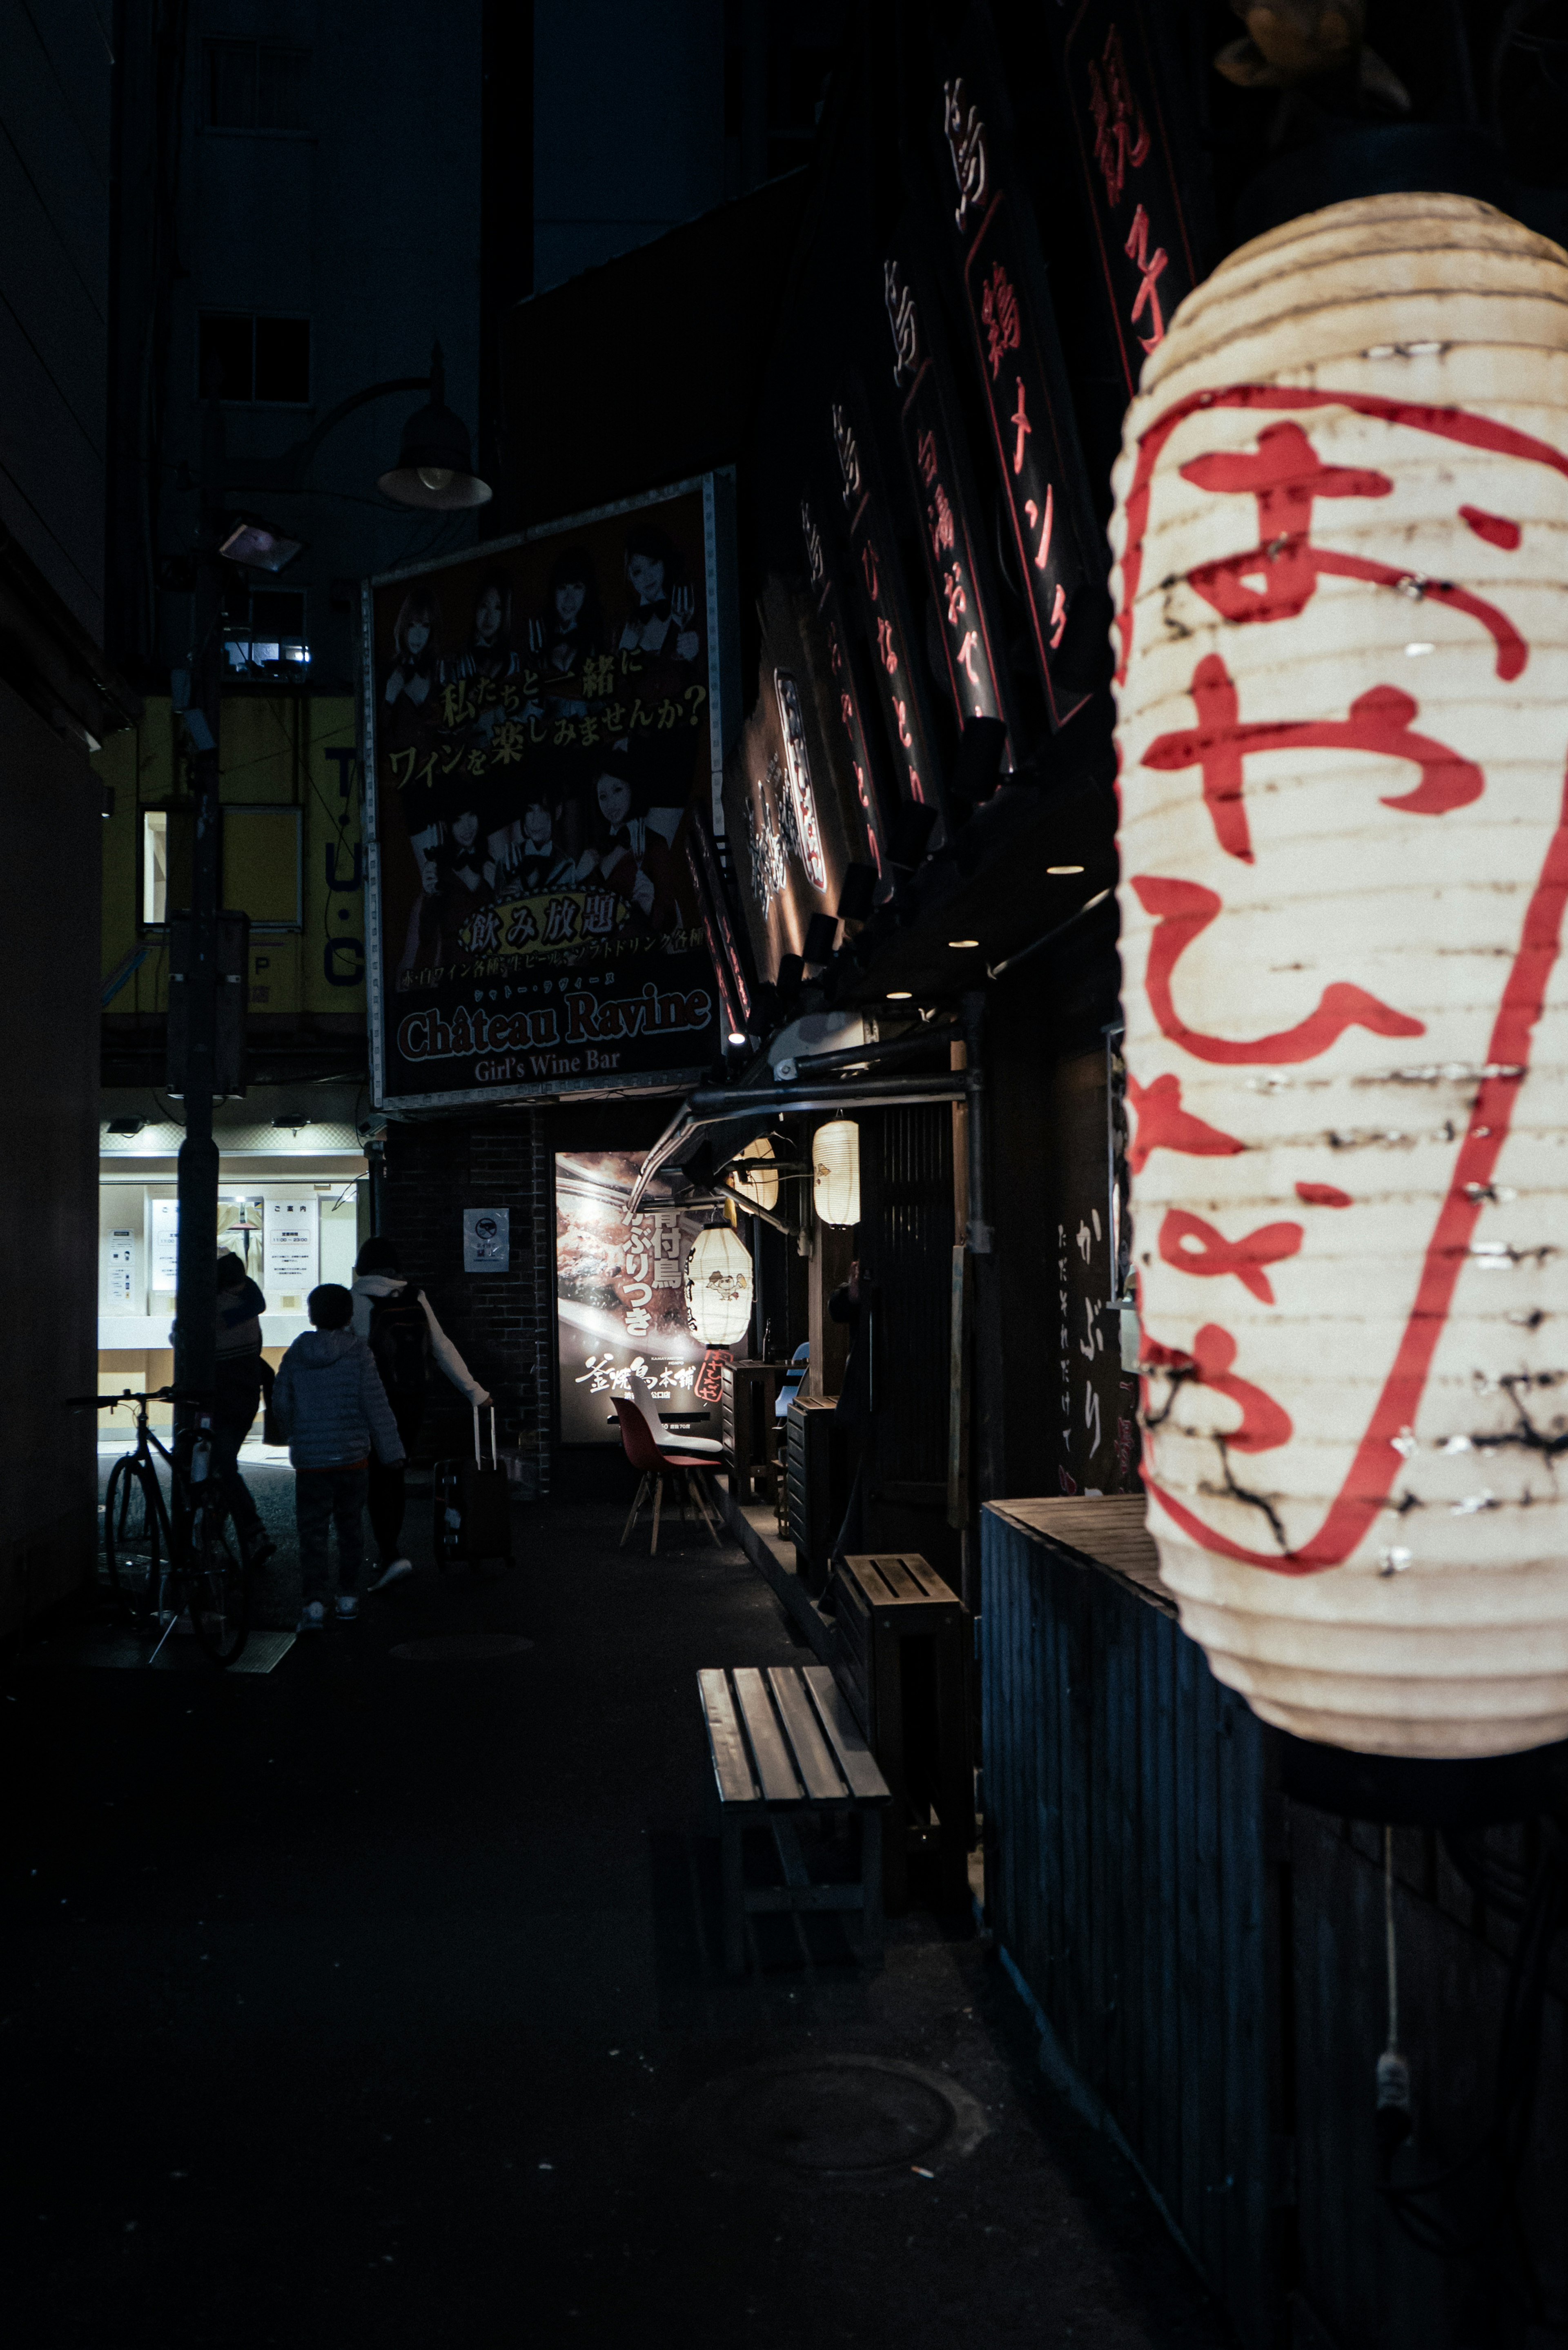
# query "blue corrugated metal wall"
(1128, 1823)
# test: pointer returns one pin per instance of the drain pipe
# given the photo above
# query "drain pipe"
(979, 1233)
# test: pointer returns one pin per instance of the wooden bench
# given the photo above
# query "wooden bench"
(785, 1742)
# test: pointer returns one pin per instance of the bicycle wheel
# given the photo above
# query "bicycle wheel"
(132, 1537)
(216, 1584)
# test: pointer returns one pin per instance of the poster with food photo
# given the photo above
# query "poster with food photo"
(620, 1296)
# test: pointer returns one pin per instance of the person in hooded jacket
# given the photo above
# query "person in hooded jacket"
(398, 1321)
(329, 1397)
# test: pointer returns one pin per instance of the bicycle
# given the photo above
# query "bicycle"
(166, 1562)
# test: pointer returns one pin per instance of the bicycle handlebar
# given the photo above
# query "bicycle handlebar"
(126, 1395)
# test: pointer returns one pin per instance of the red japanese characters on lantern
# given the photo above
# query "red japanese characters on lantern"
(1342, 702)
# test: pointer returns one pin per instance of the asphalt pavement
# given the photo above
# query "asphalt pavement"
(378, 1999)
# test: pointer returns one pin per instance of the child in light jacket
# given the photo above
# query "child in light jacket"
(329, 1397)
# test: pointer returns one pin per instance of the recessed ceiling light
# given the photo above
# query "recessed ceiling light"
(900, 994)
(1064, 868)
(963, 943)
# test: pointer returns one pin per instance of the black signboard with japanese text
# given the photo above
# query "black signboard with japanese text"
(939, 481)
(878, 586)
(1111, 89)
(542, 728)
(1012, 333)
(793, 826)
(847, 691)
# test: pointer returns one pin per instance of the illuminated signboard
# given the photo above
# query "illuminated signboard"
(879, 591)
(542, 730)
(846, 696)
(944, 528)
(1113, 95)
(791, 822)
(620, 1295)
(1034, 449)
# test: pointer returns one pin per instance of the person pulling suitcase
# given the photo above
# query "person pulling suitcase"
(473, 1505)
(399, 1322)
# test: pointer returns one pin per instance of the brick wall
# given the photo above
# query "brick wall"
(501, 1323)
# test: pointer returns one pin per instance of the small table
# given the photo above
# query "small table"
(785, 1742)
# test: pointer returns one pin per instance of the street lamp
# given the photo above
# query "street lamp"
(433, 467)
(434, 471)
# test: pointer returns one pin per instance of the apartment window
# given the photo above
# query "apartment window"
(261, 361)
(256, 86)
(155, 866)
(268, 640)
(167, 835)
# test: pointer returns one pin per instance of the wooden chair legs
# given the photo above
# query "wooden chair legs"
(694, 1495)
(637, 1505)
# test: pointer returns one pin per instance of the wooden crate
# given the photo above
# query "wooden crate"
(903, 1661)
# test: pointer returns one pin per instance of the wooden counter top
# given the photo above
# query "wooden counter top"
(1105, 1530)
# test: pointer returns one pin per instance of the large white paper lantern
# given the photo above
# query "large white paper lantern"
(719, 1287)
(835, 1172)
(1341, 538)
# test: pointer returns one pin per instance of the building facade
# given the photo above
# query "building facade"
(59, 698)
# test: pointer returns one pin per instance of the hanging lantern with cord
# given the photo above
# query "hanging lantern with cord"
(835, 1172)
(759, 1182)
(719, 1286)
(1342, 631)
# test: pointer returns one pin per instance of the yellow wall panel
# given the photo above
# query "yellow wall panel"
(279, 752)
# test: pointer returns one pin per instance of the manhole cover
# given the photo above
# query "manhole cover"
(459, 1648)
(843, 2117)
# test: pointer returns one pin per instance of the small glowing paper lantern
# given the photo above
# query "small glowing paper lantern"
(1341, 538)
(835, 1172)
(719, 1286)
(760, 1188)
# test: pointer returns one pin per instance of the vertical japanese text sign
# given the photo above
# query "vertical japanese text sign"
(886, 620)
(1030, 445)
(944, 526)
(1113, 93)
(844, 692)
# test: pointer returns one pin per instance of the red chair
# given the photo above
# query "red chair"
(654, 1462)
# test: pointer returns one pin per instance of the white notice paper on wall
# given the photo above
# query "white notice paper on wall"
(165, 1242)
(119, 1265)
(486, 1240)
(289, 1264)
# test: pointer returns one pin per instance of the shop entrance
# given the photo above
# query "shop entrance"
(292, 1204)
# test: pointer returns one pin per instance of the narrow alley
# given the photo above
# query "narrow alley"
(378, 1998)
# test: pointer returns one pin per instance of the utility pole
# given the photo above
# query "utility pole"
(433, 471)
(196, 1296)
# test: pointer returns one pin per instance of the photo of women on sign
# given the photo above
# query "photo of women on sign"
(532, 856)
(415, 665)
(628, 850)
(569, 632)
(489, 651)
(661, 623)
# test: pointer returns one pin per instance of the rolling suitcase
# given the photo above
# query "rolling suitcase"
(472, 1507)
